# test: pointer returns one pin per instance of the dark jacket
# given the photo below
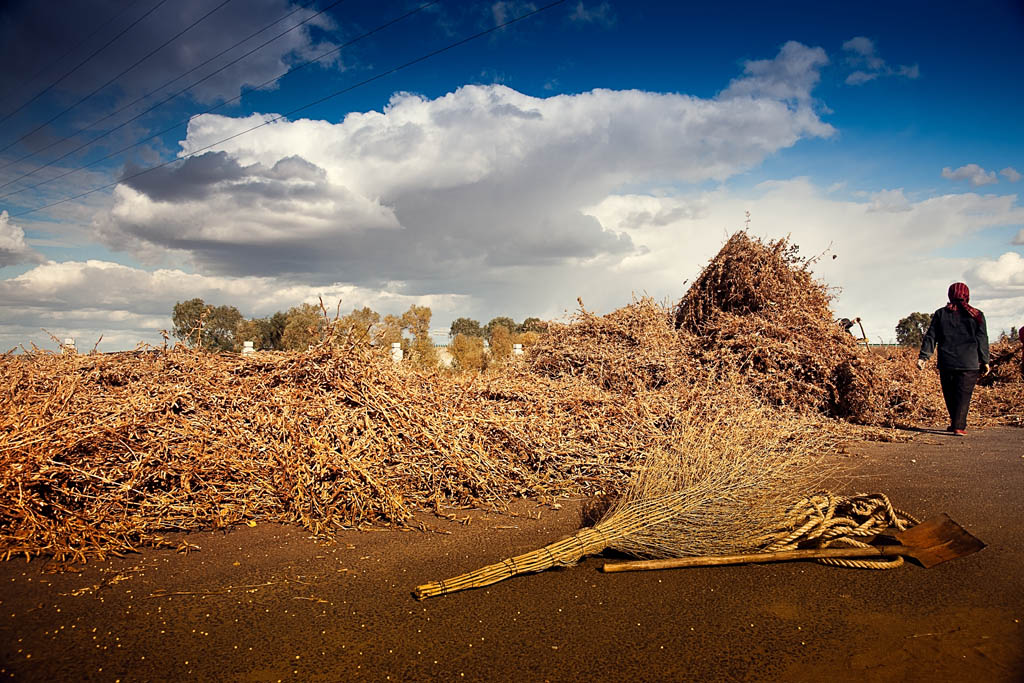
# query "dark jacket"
(962, 341)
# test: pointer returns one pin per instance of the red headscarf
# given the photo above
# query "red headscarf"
(959, 296)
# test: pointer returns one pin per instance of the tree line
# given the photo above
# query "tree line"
(224, 328)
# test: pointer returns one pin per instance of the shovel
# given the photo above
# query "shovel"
(929, 543)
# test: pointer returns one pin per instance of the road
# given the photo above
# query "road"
(270, 603)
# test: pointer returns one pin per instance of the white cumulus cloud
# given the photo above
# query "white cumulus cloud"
(1003, 276)
(1011, 174)
(475, 190)
(13, 249)
(789, 76)
(972, 173)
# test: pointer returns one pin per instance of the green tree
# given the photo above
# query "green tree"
(304, 327)
(187, 317)
(533, 325)
(273, 330)
(466, 326)
(501, 321)
(201, 324)
(910, 330)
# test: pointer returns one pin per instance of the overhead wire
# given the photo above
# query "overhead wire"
(161, 87)
(309, 105)
(23, 83)
(135, 64)
(163, 101)
(84, 61)
(244, 92)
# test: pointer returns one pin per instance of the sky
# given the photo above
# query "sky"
(262, 154)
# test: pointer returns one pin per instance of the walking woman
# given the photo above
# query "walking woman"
(959, 330)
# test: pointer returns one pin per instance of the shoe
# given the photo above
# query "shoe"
(960, 432)
(950, 428)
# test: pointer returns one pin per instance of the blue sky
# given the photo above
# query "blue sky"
(597, 149)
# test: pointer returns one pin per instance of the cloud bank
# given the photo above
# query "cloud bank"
(488, 201)
(458, 193)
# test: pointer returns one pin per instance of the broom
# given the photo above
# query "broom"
(728, 487)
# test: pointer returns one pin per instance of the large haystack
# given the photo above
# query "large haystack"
(757, 308)
(757, 312)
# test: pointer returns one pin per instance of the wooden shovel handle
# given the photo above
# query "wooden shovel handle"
(751, 558)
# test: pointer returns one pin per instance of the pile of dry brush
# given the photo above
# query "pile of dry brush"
(109, 452)
(104, 453)
(757, 312)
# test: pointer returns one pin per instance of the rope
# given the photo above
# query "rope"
(825, 520)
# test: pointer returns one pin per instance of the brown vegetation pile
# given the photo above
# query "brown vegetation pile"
(756, 312)
(1000, 395)
(102, 453)
(109, 452)
(631, 349)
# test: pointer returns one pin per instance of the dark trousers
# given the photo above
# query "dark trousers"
(957, 388)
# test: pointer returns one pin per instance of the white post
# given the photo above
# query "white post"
(69, 346)
(396, 351)
(247, 348)
(517, 349)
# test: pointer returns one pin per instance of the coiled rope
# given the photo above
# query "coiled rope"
(826, 520)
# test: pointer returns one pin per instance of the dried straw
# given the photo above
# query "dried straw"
(725, 484)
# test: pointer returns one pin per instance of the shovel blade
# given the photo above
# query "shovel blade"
(937, 540)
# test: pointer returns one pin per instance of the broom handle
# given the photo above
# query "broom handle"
(749, 558)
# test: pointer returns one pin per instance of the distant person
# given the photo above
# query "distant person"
(959, 330)
(848, 324)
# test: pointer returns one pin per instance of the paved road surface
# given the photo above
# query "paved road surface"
(269, 603)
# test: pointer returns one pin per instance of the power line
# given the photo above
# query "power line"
(137, 62)
(83, 62)
(304, 107)
(165, 100)
(71, 49)
(216, 107)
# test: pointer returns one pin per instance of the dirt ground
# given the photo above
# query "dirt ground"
(269, 603)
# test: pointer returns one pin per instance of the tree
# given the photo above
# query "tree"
(501, 344)
(466, 326)
(501, 321)
(468, 352)
(201, 324)
(187, 318)
(273, 330)
(305, 327)
(417, 321)
(358, 326)
(910, 331)
(252, 330)
(388, 332)
(265, 333)
(533, 325)
(527, 339)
